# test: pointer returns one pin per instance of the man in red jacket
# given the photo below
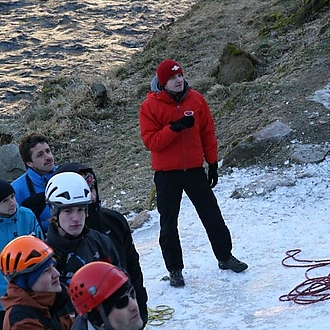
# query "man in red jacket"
(177, 127)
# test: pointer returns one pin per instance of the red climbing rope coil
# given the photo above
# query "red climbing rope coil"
(313, 289)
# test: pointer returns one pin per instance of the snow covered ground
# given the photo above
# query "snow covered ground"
(282, 209)
(263, 227)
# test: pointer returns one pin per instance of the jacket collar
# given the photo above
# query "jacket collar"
(40, 179)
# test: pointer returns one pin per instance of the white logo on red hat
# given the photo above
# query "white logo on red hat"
(175, 68)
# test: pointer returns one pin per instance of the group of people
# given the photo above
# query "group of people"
(70, 263)
(62, 228)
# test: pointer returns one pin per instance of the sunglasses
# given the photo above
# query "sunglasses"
(123, 301)
(89, 177)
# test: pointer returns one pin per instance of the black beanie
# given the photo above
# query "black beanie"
(5, 190)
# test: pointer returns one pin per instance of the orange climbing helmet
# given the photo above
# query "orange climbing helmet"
(23, 255)
(94, 283)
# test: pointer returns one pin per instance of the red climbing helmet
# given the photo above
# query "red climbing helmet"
(93, 283)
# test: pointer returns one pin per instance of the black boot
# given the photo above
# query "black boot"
(176, 278)
(234, 264)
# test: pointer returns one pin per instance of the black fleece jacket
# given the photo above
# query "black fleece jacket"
(114, 225)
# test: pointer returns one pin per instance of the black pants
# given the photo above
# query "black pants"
(170, 186)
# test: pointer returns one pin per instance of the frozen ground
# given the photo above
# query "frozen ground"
(264, 226)
(282, 209)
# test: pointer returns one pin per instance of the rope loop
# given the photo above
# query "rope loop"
(159, 315)
(313, 289)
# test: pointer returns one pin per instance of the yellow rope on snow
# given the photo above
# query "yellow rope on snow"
(159, 315)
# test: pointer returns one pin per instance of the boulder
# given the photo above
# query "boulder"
(256, 144)
(11, 163)
(100, 95)
(308, 153)
(139, 220)
(236, 66)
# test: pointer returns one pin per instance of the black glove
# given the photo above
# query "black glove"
(182, 123)
(213, 174)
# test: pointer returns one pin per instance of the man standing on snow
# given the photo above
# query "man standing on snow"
(177, 127)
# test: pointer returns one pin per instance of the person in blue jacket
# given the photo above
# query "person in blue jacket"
(30, 186)
(15, 221)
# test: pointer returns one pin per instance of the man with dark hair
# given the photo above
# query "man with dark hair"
(30, 186)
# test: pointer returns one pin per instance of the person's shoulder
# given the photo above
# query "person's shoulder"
(24, 310)
(195, 96)
(149, 97)
(113, 218)
(154, 96)
(96, 235)
(195, 93)
(22, 210)
(115, 215)
(24, 317)
(101, 240)
(20, 180)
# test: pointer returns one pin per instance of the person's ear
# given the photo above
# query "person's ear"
(29, 164)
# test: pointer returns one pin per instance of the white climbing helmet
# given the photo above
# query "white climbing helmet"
(67, 189)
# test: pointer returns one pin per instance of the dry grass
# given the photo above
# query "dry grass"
(294, 64)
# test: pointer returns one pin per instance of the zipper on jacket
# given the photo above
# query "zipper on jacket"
(184, 135)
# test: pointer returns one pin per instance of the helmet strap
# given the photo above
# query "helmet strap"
(107, 325)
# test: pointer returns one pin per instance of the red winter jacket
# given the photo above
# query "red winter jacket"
(177, 150)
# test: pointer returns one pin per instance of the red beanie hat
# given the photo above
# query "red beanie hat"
(166, 70)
